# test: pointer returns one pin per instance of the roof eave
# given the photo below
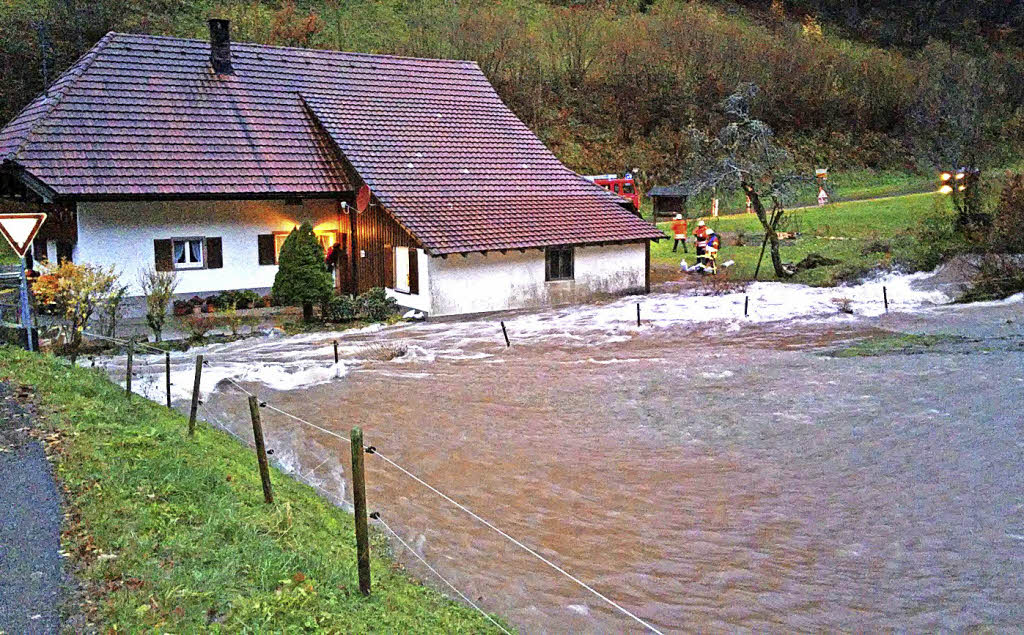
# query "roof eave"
(26, 178)
(593, 243)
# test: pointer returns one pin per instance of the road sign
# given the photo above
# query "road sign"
(20, 229)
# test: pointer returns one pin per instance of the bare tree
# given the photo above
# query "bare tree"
(745, 156)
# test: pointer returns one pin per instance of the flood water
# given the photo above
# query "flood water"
(704, 470)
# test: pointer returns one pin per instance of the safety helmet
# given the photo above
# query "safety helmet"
(700, 223)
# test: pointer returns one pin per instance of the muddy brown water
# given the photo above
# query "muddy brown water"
(707, 471)
(703, 478)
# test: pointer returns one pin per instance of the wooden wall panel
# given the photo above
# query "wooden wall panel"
(377, 234)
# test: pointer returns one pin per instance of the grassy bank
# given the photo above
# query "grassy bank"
(171, 534)
(861, 235)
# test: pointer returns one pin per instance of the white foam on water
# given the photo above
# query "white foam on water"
(290, 362)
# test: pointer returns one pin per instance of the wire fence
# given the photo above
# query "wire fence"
(409, 473)
(372, 450)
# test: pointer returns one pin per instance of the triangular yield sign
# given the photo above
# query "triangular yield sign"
(20, 229)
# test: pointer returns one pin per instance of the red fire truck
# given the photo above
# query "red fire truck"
(624, 186)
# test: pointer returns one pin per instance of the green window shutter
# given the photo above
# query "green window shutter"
(265, 248)
(414, 271)
(163, 255)
(214, 256)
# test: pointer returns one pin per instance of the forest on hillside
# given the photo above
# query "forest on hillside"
(615, 85)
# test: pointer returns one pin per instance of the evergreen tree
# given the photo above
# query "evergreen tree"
(302, 277)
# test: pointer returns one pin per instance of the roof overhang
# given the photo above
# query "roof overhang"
(23, 176)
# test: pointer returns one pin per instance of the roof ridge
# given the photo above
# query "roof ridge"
(298, 48)
(65, 81)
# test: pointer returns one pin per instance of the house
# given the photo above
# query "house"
(669, 200)
(200, 156)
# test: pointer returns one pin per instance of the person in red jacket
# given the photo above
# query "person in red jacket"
(679, 230)
(700, 237)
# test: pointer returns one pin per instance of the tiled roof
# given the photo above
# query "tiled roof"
(147, 116)
(669, 190)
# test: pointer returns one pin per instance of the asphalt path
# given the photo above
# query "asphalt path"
(30, 516)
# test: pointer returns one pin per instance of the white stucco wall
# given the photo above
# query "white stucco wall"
(497, 282)
(122, 234)
(419, 301)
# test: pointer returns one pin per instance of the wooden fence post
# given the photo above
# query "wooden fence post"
(128, 375)
(261, 449)
(195, 396)
(359, 502)
(167, 372)
(505, 333)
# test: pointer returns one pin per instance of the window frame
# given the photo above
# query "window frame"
(283, 235)
(203, 253)
(564, 256)
(401, 258)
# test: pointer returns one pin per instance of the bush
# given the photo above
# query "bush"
(197, 326)
(183, 307)
(376, 306)
(1008, 229)
(342, 308)
(158, 287)
(247, 299)
(999, 276)
(938, 239)
(302, 278)
(75, 292)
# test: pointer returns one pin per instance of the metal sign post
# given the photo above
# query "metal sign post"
(26, 308)
(19, 230)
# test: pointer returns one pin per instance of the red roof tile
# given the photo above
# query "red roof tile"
(146, 116)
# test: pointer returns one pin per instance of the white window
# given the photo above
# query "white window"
(402, 269)
(188, 253)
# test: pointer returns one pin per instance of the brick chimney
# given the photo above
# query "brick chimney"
(220, 47)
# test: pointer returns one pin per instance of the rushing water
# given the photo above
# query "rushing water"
(706, 471)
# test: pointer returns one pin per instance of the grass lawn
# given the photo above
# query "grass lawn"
(873, 233)
(171, 534)
(7, 255)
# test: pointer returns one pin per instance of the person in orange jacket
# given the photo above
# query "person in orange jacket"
(679, 230)
(700, 237)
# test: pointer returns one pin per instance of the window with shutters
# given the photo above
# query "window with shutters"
(188, 253)
(269, 245)
(402, 269)
(193, 252)
(407, 274)
(558, 263)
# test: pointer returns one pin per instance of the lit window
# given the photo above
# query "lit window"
(558, 263)
(327, 239)
(402, 269)
(188, 253)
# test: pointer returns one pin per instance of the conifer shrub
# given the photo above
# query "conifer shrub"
(302, 278)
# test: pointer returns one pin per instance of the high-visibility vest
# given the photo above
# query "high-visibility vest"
(679, 228)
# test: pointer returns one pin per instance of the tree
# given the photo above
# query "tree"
(745, 156)
(158, 288)
(302, 277)
(75, 292)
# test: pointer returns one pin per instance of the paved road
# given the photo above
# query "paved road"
(30, 567)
